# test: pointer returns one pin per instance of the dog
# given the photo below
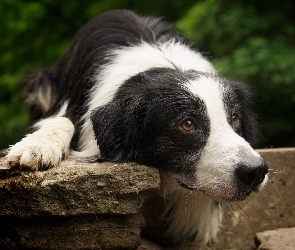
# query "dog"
(133, 88)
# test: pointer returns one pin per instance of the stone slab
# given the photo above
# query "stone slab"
(279, 239)
(74, 206)
(73, 190)
(88, 232)
(76, 188)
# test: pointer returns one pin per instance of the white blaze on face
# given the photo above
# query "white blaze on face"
(225, 149)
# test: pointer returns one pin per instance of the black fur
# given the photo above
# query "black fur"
(123, 128)
(142, 119)
(73, 75)
(142, 123)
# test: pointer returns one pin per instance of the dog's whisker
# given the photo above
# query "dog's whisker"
(272, 182)
(276, 171)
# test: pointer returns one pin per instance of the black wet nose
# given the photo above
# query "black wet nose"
(251, 176)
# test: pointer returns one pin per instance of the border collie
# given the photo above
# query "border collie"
(133, 88)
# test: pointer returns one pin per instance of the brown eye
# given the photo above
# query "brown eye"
(235, 119)
(188, 125)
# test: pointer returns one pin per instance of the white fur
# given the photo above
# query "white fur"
(189, 213)
(225, 149)
(46, 146)
(193, 213)
(127, 62)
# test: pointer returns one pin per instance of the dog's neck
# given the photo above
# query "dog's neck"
(191, 217)
(185, 217)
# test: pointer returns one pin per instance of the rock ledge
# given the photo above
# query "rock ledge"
(74, 206)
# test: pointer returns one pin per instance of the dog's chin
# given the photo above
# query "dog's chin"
(228, 195)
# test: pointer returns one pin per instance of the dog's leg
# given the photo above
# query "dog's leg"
(44, 148)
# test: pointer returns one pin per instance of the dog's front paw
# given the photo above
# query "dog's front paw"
(44, 148)
(31, 154)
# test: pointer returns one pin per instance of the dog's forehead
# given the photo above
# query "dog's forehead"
(212, 91)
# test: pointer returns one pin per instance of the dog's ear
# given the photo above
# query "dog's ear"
(118, 128)
(40, 92)
(249, 125)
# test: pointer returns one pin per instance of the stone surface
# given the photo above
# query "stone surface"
(98, 206)
(280, 239)
(271, 208)
(77, 233)
(74, 206)
(76, 188)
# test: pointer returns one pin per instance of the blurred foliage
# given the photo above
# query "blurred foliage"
(251, 41)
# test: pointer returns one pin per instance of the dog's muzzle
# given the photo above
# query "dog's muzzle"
(247, 179)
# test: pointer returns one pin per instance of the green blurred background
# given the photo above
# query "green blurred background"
(252, 41)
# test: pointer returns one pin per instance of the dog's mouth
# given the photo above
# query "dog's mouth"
(190, 187)
(229, 195)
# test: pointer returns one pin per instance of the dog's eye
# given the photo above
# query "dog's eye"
(188, 125)
(235, 119)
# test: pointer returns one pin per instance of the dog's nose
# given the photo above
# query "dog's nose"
(251, 176)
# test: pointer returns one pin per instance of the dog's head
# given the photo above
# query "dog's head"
(194, 126)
